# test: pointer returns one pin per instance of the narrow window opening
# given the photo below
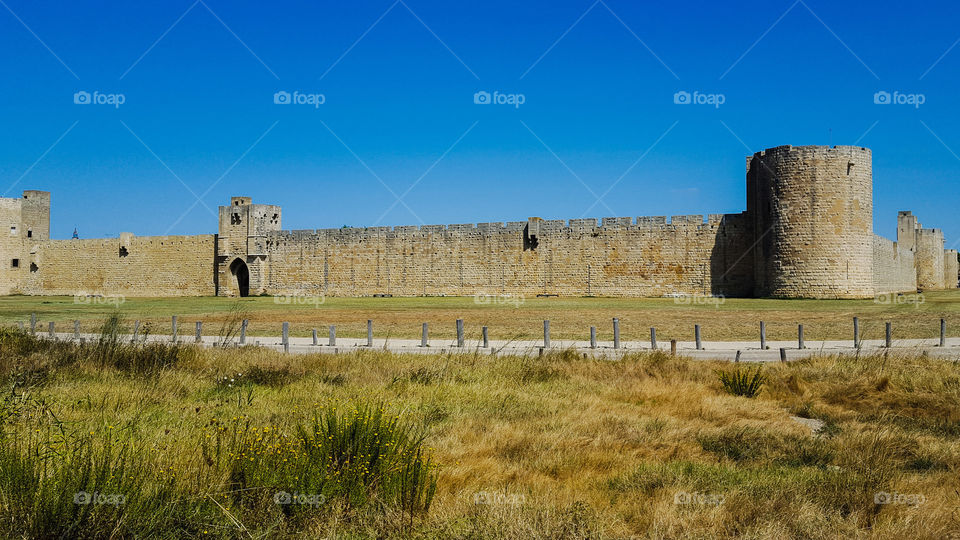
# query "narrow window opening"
(34, 267)
(29, 233)
(15, 263)
(849, 168)
(530, 241)
(123, 251)
(235, 218)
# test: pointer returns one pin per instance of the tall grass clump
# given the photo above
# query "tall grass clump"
(58, 483)
(21, 351)
(359, 458)
(746, 382)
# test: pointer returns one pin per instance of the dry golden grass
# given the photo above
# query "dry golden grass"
(565, 447)
(734, 319)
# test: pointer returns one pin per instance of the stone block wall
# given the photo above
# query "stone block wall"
(951, 269)
(930, 259)
(129, 266)
(649, 257)
(813, 212)
(893, 268)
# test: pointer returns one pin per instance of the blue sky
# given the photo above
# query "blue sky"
(399, 140)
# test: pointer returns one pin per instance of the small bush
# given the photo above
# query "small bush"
(355, 458)
(746, 382)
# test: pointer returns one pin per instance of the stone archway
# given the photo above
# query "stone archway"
(241, 276)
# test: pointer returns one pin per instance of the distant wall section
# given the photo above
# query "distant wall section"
(893, 268)
(129, 265)
(951, 269)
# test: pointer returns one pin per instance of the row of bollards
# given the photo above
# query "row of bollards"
(424, 337)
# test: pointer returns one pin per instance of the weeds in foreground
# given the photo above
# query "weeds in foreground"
(745, 382)
(357, 457)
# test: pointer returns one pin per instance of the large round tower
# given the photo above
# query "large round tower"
(812, 207)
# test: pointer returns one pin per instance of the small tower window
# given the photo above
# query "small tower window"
(123, 251)
(29, 233)
(34, 267)
(235, 218)
(15, 263)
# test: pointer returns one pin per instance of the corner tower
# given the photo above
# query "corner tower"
(242, 248)
(812, 208)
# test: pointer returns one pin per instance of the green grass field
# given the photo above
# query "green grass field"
(733, 319)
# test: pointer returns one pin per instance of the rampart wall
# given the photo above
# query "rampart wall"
(617, 257)
(807, 233)
(129, 265)
(893, 268)
(951, 269)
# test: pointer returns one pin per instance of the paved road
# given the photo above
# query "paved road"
(750, 351)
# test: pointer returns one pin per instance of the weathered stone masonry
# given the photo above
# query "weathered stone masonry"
(807, 232)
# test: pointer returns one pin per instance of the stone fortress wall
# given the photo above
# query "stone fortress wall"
(129, 266)
(617, 257)
(807, 232)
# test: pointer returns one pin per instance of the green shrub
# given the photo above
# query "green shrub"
(359, 458)
(746, 382)
(57, 483)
